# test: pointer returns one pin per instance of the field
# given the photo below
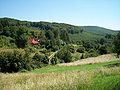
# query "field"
(97, 76)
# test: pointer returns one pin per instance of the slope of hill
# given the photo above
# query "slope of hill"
(57, 43)
(85, 36)
(59, 31)
(98, 30)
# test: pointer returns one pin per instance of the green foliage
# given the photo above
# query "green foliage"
(98, 30)
(88, 45)
(102, 41)
(55, 48)
(71, 48)
(49, 34)
(14, 61)
(64, 55)
(117, 44)
(109, 36)
(54, 60)
(40, 60)
(85, 55)
(93, 53)
(81, 49)
(102, 50)
(64, 36)
(7, 42)
(82, 56)
(85, 36)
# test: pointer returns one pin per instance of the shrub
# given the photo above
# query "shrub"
(81, 50)
(7, 42)
(14, 61)
(55, 48)
(54, 60)
(84, 55)
(92, 53)
(102, 50)
(72, 49)
(40, 60)
(65, 55)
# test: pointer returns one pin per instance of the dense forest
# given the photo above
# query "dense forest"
(57, 43)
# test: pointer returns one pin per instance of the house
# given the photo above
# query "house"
(34, 41)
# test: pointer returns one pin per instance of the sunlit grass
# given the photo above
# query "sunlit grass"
(85, 67)
(84, 77)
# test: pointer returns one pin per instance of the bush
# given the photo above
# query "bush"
(54, 60)
(72, 49)
(92, 53)
(55, 48)
(14, 61)
(81, 50)
(7, 42)
(84, 55)
(65, 55)
(102, 50)
(40, 60)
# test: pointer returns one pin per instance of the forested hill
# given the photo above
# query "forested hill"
(47, 30)
(61, 26)
(98, 30)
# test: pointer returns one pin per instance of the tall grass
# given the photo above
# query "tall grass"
(98, 79)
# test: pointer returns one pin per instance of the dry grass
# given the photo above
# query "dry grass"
(91, 60)
(52, 81)
(21, 81)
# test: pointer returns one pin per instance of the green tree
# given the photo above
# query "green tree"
(56, 34)
(81, 49)
(49, 34)
(65, 55)
(102, 41)
(6, 31)
(22, 37)
(64, 36)
(54, 60)
(102, 50)
(1, 28)
(117, 44)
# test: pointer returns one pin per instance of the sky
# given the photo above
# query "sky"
(104, 13)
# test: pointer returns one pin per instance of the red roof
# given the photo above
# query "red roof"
(34, 41)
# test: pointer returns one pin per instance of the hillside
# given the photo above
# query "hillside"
(85, 36)
(98, 30)
(43, 50)
(76, 33)
(45, 43)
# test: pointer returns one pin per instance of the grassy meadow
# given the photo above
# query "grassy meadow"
(100, 76)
